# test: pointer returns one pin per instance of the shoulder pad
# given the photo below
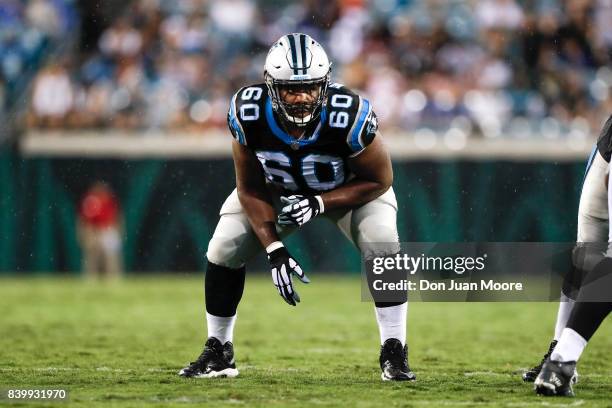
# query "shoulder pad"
(352, 117)
(246, 108)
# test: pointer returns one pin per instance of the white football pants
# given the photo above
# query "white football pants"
(234, 242)
(593, 207)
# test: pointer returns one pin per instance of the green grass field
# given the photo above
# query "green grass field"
(121, 345)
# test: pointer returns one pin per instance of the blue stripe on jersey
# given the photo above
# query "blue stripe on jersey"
(287, 139)
(355, 144)
(234, 123)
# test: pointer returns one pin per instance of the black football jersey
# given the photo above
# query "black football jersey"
(315, 162)
(604, 142)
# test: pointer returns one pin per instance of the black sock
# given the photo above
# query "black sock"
(587, 316)
(223, 289)
(389, 304)
(592, 305)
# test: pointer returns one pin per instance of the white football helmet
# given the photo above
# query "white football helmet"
(297, 62)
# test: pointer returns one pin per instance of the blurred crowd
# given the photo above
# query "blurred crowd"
(27, 29)
(516, 68)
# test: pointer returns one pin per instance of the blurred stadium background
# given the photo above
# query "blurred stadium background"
(490, 109)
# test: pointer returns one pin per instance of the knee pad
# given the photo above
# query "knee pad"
(375, 223)
(379, 240)
(227, 245)
(379, 233)
(223, 252)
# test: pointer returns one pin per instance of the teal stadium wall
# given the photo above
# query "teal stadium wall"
(170, 209)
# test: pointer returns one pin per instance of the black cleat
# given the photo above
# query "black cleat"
(215, 361)
(556, 378)
(394, 362)
(531, 375)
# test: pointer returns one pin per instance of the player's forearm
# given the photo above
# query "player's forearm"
(354, 194)
(261, 215)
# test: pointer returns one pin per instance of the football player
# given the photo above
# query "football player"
(577, 320)
(303, 148)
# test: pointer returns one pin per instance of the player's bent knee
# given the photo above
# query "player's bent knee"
(592, 229)
(223, 251)
(231, 242)
(379, 240)
(378, 233)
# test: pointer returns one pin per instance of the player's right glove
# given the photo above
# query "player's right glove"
(283, 266)
(300, 209)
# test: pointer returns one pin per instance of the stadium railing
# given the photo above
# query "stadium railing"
(403, 146)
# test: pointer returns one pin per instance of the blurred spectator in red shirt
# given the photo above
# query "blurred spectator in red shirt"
(99, 232)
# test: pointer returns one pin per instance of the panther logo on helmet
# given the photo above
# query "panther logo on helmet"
(297, 73)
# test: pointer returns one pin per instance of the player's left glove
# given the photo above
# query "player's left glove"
(299, 209)
(283, 266)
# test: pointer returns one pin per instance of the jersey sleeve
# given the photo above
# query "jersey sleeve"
(364, 128)
(233, 122)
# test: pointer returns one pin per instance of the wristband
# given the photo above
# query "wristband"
(274, 246)
(321, 205)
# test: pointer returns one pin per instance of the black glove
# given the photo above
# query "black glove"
(283, 266)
